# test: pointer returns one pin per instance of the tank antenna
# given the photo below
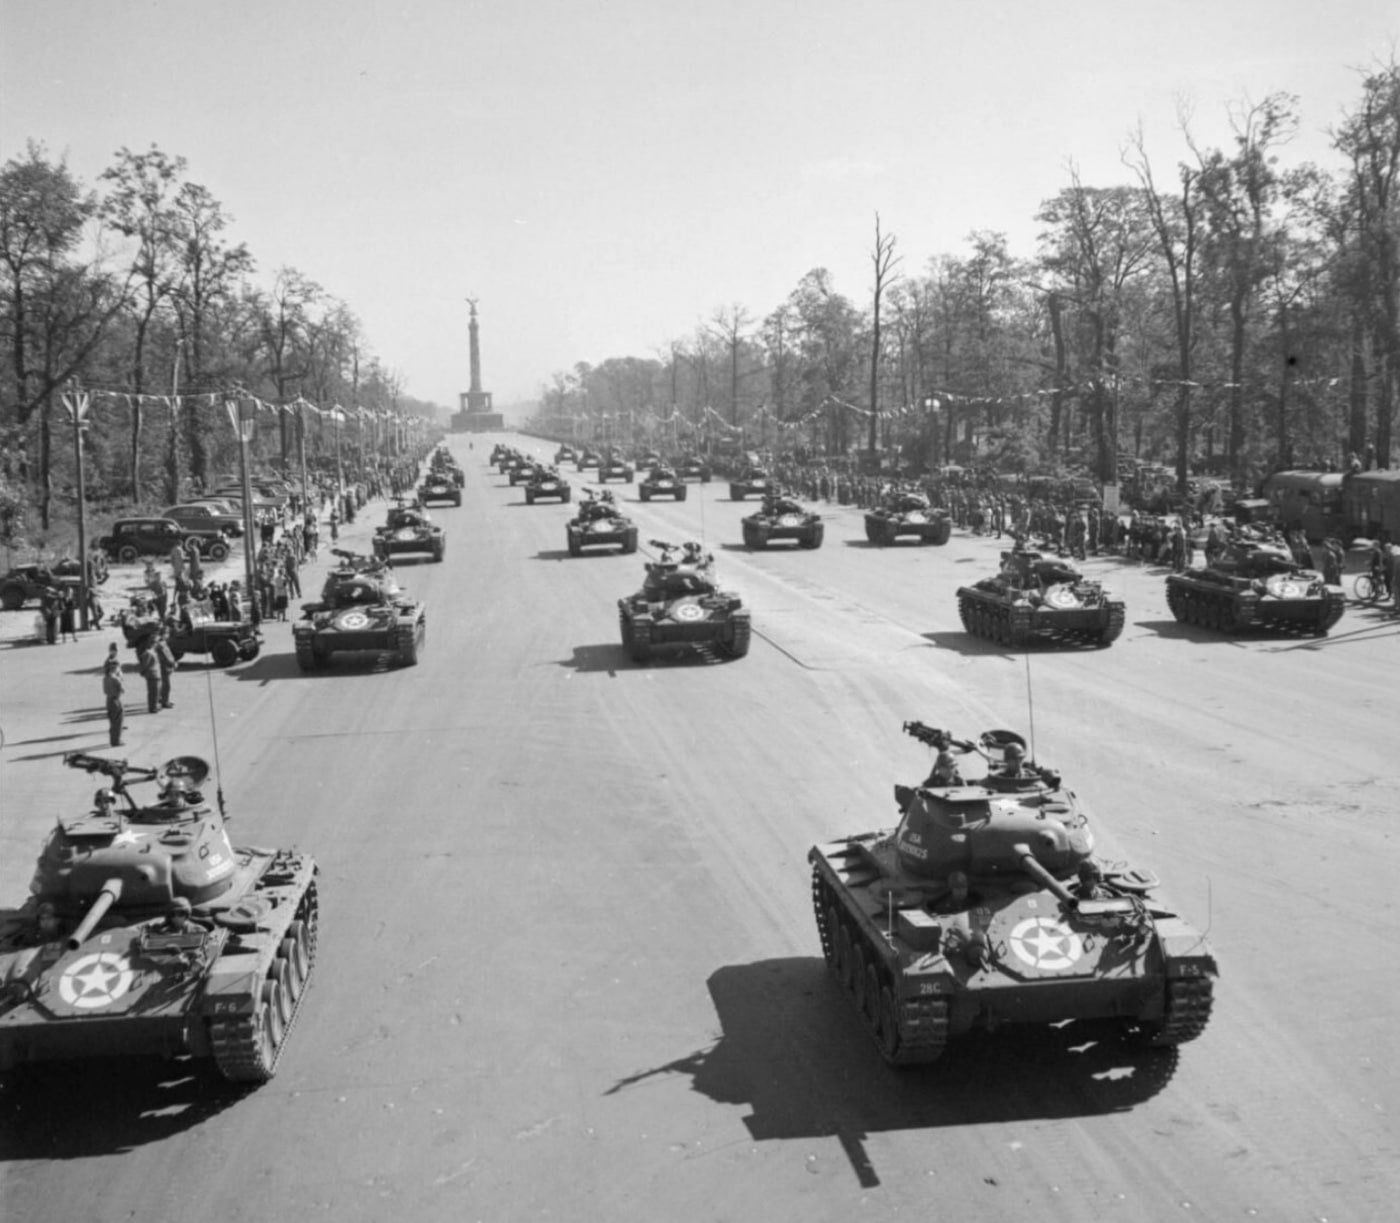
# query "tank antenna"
(1030, 702)
(214, 734)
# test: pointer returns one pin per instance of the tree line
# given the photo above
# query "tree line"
(1232, 315)
(137, 286)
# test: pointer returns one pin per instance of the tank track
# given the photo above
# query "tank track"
(1113, 626)
(248, 1047)
(993, 621)
(738, 645)
(813, 537)
(1189, 1002)
(912, 1032)
(406, 644)
(641, 640)
(307, 658)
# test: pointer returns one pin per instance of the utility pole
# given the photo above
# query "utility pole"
(77, 402)
(242, 420)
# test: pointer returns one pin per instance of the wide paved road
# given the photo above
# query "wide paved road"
(568, 968)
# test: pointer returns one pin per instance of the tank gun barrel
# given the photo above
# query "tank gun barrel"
(110, 893)
(1043, 877)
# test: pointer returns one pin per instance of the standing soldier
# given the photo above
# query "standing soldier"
(166, 664)
(149, 667)
(113, 688)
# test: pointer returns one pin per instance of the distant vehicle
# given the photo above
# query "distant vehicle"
(132, 538)
(1310, 499)
(26, 582)
(199, 516)
(1371, 503)
(234, 493)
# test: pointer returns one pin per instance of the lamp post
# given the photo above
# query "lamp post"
(241, 418)
(77, 403)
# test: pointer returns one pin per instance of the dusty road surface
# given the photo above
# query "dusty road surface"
(568, 968)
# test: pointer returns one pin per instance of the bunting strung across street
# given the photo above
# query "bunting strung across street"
(941, 399)
(176, 403)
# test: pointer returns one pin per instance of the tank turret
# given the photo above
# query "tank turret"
(132, 856)
(1015, 820)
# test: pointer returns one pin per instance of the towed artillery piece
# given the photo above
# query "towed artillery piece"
(362, 607)
(903, 513)
(782, 518)
(680, 605)
(986, 905)
(408, 529)
(1037, 596)
(1255, 583)
(599, 523)
(147, 932)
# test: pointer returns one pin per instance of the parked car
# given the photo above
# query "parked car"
(234, 493)
(26, 582)
(132, 538)
(203, 516)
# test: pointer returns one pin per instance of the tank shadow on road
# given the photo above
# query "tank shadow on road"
(561, 554)
(965, 643)
(794, 1052)
(611, 658)
(56, 1111)
(268, 667)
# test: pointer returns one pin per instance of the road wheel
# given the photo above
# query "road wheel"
(872, 996)
(888, 1024)
(218, 551)
(224, 652)
(844, 952)
(249, 650)
(858, 979)
(127, 554)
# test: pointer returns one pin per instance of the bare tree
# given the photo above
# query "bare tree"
(884, 261)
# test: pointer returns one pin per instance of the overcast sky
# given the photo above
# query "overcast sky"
(603, 176)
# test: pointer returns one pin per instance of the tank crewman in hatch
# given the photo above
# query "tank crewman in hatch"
(945, 770)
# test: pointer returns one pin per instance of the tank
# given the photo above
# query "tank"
(599, 524)
(1255, 584)
(406, 530)
(782, 518)
(692, 467)
(548, 483)
(754, 481)
(661, 481)
(362, 607)
(615, 468)
(902, 514)
(986, 905)
(1034, 596)
(565, 454)
(521, 470)
(439, 487)
(680, 605)
(588, 458)
(147, 932)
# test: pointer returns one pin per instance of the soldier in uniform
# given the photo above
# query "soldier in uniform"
(945, 770)
(149, 667)
(113, 688)
(166, 664)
